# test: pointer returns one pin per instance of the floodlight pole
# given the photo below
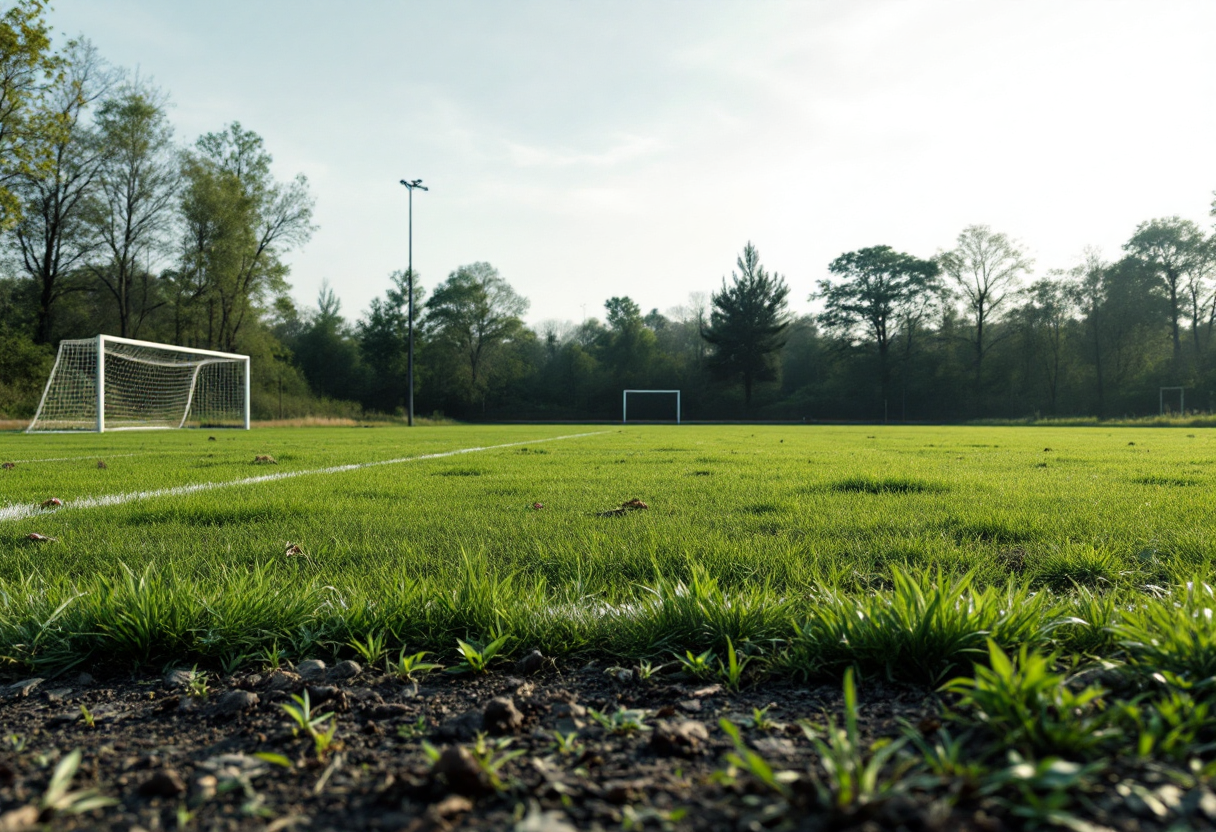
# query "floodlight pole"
(409, 361)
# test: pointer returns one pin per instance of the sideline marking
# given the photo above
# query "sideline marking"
(21, 512)
(76, 458)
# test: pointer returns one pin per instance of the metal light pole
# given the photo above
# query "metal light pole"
(409, 363)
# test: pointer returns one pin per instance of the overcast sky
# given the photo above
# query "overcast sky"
(590, 149)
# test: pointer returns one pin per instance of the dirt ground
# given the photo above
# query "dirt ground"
(175, 756)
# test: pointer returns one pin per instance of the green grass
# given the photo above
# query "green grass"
(772, 536)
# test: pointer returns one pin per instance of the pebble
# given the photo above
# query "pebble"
(20, 690)
(345, 670)
(460, 771)
(163, 783)
(501, 716)
(685, 738)
(178, 678)
(532, 663)
(236, 701)
(312, 670)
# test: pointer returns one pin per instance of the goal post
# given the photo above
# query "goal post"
(111, 383)
(625, 401)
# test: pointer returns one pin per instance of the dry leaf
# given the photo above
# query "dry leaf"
(538, 506)
(265, 459)
(54, 502)
(42, 538)
(293, 549)
(8, 466)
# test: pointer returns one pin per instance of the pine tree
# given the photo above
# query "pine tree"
(747, 324)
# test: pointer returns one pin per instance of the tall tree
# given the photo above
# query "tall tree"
(985, 267)
(137, 185)
(27, 65)
(628, 346)
(382, 336)
(53, 237)
(473, 316)
(1049, 307)
(747, 324)
(880, 289)
(238, 223)
(1180, 256)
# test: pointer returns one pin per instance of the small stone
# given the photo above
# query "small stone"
(187, 705)
(538, 821)
(685, 738)
(691, 706)
(282, 680)
(236, 701)
(203, 788)
(775, 747)
(56, 696)
(163, 783)
(178, 678)
(312, 670)
(702, 693)
(532, 663)
(451, 805)
(501, 716)
(23, 819)
(569, 709)
(457, 767)
(85, 679)
(390, 710)
(461, 728)
(20, 690)
(345, 670)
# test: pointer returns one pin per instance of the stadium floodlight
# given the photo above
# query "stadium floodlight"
(109, 383)
(409, 362)
(625, 402)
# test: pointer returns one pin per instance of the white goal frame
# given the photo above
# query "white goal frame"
(206, 358)
(625, 402)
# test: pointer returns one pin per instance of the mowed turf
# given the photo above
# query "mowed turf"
(891, 549)
(791, 506)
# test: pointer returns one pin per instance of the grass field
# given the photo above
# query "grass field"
(757, 533)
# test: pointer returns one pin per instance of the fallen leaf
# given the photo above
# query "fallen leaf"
(538, 506)
(293, 549)
(54, 502)
(265, 459)
(8, 466)
(42, 537)
(101, 463)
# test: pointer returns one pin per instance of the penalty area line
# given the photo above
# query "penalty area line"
(20, 512)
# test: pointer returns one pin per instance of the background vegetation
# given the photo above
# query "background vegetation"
(110, 223)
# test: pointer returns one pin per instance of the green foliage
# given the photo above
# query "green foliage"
(753, 763)
(406, 666)
(853, 774)
(1028, 706)
(477, 656)
(58, 800)
(1177, 638)
(624, 721)
(302, 716)
(747, 324)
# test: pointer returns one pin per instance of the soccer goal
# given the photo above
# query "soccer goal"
(647, 418)
(108, 383)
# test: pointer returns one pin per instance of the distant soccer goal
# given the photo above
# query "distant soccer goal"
(653, 412)
(109, 383)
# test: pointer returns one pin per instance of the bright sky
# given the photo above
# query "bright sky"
(590, 149)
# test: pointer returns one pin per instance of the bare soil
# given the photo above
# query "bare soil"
(174, 758)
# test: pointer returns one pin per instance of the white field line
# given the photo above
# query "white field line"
(76, 458)
(21, 512)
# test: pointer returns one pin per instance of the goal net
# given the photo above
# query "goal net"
(108, 383)
(651, 405)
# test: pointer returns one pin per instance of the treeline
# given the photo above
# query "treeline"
(111, 225)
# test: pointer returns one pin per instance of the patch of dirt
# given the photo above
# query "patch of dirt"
(165, 754)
